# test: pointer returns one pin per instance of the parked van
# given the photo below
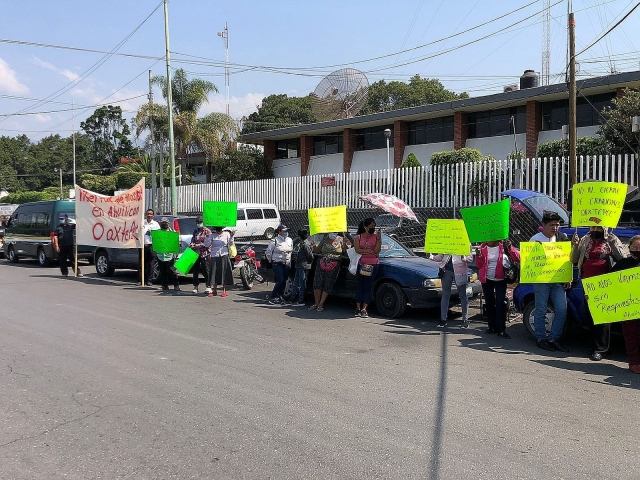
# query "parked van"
(262, 217)
(31, 229)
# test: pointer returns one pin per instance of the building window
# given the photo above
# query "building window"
(373, 138)
(556, 114)
(432, 130)
(287, 148)
(493, 123)
(327, 144)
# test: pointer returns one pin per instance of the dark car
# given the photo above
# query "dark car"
(107, 260)
(523, 297)
(403, 279)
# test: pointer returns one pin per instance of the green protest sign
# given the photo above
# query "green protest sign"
(163, 241)
(220, 214)
(613, 297)
(186, 261)
(487, 222)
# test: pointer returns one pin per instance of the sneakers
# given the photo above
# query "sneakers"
(207, 290)
(357, 313)
(364, 314)
(465, 324)
(596, 356)
(176, 288)
(299, 303)
(504, 335)
(285, 301)
(558, 347)
(195, 290)
(274, 301)
(545, 345)
(442, 324)
(149, 284)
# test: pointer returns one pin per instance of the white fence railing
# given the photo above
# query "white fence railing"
(459, 185)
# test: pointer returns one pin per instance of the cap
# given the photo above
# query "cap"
(164, 220)
(63, 215)
(281, 228)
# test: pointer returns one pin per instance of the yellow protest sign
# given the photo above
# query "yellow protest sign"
(547, 262)
(328, 220)
(597, 204)
(614, 297)
(447, 236)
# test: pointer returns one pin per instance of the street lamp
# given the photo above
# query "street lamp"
(387, 134)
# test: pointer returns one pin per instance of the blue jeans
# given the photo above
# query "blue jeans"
(299, 285)
(543, 293)
(447, 282)
(281, 272)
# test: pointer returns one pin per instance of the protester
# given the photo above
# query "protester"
(594, 255)
(220, 270)
(279, 254)
(304, 260)
(491, 259)
(367, 243)
(556, 292)
(165, 262)
(327, 269)
(200, 234)
(64, 241)
(148, 225)
(453, 267)
(631, 328)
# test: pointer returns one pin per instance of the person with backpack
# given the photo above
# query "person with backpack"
(279, 254)
(201, 267)
(304, 260)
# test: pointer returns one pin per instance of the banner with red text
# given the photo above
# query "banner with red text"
(105, 221)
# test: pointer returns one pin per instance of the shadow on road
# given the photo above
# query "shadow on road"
(615, 375)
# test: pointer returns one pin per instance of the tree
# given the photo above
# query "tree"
(109, 133)
(245, 163)
(142, 165)
(394, 95)
(411, 161)
(616, 126)
(586, 146)
(279, 111)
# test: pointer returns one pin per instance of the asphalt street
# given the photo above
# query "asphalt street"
(102, 379)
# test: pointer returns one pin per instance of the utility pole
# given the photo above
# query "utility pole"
(172, 156)
(546, 41)
(225, 36)
(73, 140)
(154, 182)
(573, 154)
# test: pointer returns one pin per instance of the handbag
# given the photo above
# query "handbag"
(327, 265)
(512, 273)
(354, 258)
(366, 270)
(233, 251)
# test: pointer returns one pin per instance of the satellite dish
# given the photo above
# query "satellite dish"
(341, 94)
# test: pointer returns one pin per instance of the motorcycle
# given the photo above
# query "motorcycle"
(245, 261)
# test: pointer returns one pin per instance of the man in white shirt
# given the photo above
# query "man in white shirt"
(556, 292)
(148, 225)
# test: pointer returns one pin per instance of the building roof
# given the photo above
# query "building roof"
(547, 93)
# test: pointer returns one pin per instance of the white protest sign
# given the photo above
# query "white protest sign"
(105, 221)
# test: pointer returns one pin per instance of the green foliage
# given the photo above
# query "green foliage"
(104, 184)
(451, 157)
(109, 133)
(411, 161)
(616, 125)
(516, 155)
(394, 95)
(246, 163)
(127, 180)
(586, 146)
(30, 196)
(279, 111)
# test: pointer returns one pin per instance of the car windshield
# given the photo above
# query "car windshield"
(392, 248)
(540, 204)
(387, 221)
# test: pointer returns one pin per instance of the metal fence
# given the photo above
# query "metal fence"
(450, 186)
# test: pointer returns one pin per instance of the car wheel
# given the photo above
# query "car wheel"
(11, 254)
(528, 319)
(288, 287)
(268, 233)
(43, 261)
(103, 268)
(390, 300)
(154, 266)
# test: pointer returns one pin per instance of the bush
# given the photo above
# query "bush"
(104, 184)
(411, 161)
(586, 146)
(464, 155)
(24, 197)
(127, 180)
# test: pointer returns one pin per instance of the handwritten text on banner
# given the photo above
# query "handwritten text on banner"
(487, 222)
(110, 221)
(547, 262)
(447, 236)
(328, 220)
(597, 204)
(220, 214)
(614, 297)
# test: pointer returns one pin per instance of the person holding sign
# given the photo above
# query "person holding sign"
(453, 267)
(631, 328)
(220, 270)
(368, 244)
(556, 292)
(200, 234)
(165, 262)
(327, 269)
(279, 254)
(492, 258)
(594, 254)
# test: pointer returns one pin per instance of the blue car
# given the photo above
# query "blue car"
(403, 279)
(523, 297)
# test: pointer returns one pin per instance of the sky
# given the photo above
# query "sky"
(282, 46)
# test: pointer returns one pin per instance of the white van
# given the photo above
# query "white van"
(264, 218)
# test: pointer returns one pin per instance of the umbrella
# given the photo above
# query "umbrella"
(391, 204)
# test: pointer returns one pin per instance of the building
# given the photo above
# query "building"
(494, 124)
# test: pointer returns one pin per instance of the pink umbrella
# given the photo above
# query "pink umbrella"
(391, 204)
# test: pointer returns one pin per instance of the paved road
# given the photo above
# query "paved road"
(102, 379)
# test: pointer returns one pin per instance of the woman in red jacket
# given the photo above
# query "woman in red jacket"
(492, 258)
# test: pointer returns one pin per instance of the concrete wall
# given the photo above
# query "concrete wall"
(424, 151)
(548, 135)
(371, 160)
(325, 164)
(286, 167)
(498, 147)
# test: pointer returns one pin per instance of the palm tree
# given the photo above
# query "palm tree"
(209, 134)
(143, 165)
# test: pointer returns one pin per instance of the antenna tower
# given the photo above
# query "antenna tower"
(225, 36)
(546, 39)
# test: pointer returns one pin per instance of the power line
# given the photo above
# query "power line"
(67, 109)
(609, 31)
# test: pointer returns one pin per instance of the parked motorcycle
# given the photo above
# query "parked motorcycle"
(245, 261)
